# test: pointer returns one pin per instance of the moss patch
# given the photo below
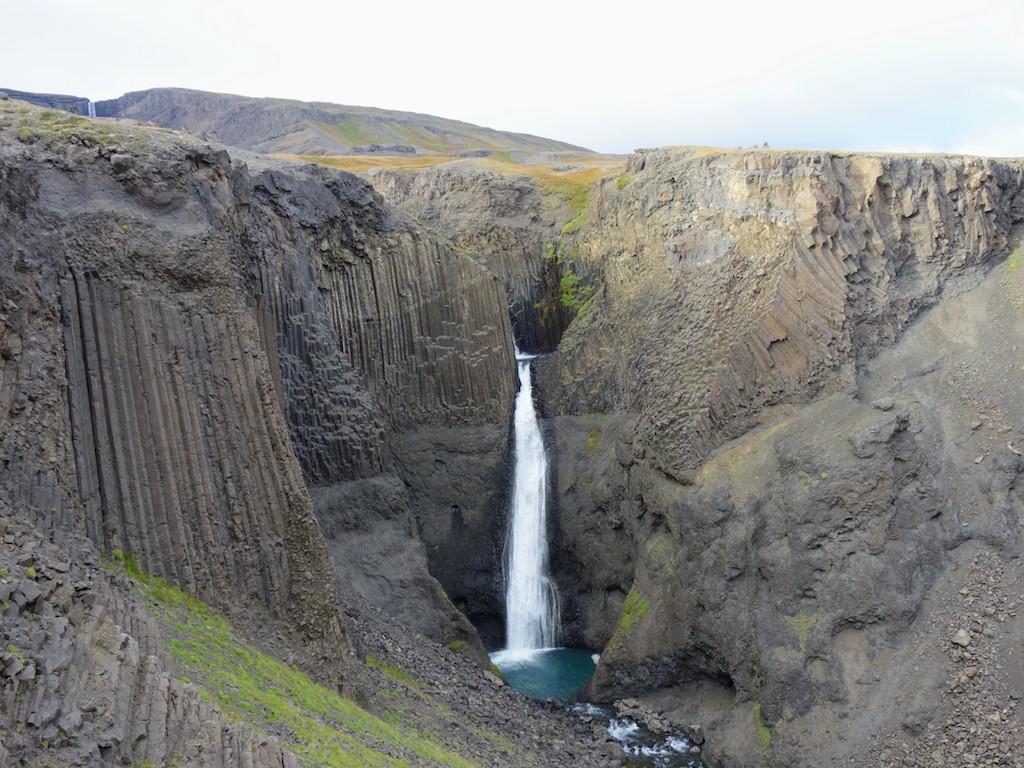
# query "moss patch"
(593, 441)
(764, 733)
(633, 612)
(802, 623)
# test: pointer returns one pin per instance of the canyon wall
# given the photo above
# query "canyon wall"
(785, 429)
(394, 356)
(786, 433)
(191, 346)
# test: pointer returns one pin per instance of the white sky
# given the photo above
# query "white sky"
(901, 75)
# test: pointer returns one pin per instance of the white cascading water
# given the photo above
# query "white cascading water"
(92, 109)
(531, 604)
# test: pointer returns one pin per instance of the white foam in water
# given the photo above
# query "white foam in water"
(622, 728)
(682, 746)
(513, 657)
(648, 749)
(596, 657)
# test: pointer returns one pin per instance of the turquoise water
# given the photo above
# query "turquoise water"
(550, 673)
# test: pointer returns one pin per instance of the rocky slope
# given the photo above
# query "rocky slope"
(786, 426)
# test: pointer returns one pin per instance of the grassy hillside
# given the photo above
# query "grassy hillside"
(317, 128)
(318, 725)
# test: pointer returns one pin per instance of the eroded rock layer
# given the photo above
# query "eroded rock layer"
(790, 433)
(734, 281)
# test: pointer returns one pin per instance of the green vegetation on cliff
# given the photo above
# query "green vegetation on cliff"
(764, 733)
(633, 612)
(320, 726)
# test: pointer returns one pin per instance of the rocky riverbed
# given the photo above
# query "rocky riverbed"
(540, 733)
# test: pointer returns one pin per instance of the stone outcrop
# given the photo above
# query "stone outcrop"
(794, 400)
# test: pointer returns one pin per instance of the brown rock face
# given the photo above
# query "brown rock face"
(793, 412)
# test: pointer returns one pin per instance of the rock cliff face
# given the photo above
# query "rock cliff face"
(503, 218)
(123, 300)
(394, 355)
(794, 400)
(187, 343)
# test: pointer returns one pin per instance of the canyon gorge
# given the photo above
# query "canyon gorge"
(781, 392)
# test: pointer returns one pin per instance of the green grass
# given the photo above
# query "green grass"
(1016, 258)
(55, 127)
(324, 728)
(393, 671)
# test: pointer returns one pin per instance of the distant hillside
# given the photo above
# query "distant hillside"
(300, 128)
(76, 105)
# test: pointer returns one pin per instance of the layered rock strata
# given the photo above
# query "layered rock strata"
(791, 404)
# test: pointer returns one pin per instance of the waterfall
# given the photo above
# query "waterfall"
(531, 605)
(92, 109)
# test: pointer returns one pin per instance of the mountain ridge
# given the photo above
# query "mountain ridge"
(277, 125)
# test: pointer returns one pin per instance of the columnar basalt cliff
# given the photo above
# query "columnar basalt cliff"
(503, 218)
(394, 355)
(183, 340)
(795, 398)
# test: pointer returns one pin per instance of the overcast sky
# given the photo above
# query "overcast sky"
(863, 75)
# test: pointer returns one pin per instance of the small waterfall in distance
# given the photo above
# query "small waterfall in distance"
(92, 109)
(531, 604)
